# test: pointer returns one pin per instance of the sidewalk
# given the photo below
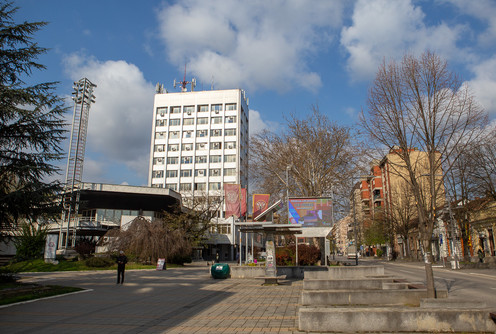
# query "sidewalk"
(179, 300)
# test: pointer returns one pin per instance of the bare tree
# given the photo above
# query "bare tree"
(419, 103)
(312, 157)
(402, 217)
(483, 158)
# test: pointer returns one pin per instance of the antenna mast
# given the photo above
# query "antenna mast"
(184, 83)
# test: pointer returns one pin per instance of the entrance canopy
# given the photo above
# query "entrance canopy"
(269, 227)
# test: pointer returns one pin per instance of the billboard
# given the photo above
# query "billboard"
(310, 212)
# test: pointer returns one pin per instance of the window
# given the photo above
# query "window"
(187, 134)
(216, 132)
(174, 121)
(159, 185)
(202, 108)
(172, 160)
(160, 122)
(189, 109)
(230, 119)
(162, 111)
(187, 147)
(171, 173)
(216, 107)
(230, 145)
(189, 121)
(201, 146)
(160, 135)
(201, 159)
(214, 186)
(171, 186)
(186, 160)
(230, 158)
(230, 106)
(224, 229)
(215, 146)
(200, 186)
(173, 147)
(200, 172)
(230, 132)
(215, 158)
(159, 148)
(157, 174)
(214, 172)
(185, 187)
(201, 133)
(229, 171)
(186, 173)
(174, 135)
(175, 110)
(216, 120)
(202, 120)
(158, 161)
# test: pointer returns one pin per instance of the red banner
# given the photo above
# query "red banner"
(232, 193)
(243, 202)
(260, 203)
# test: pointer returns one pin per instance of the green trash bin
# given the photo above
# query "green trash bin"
(220, 270)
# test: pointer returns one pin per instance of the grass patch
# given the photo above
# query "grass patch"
(19, 292)
(40, 266)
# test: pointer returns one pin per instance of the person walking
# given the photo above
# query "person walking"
(121, 267)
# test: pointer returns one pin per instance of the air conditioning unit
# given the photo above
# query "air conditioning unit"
(189, 112)
(201, 172)
(187, 148)
(173, 149)
(160, 159)
(216, 111)
(202, 145)
(162, 114)
(160, 149)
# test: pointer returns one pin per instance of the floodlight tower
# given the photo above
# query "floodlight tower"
(83, 98)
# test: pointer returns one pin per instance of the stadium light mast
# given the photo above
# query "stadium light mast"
(83, 98)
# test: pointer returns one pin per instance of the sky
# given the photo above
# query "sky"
(287, 55)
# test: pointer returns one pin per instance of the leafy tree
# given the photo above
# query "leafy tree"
(420, 103)
(31, 126)
(30, 241)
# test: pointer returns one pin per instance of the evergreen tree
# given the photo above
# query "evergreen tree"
(31, 126)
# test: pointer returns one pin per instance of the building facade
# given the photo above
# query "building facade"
(199, 141)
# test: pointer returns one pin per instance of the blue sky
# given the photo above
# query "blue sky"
(287, 55)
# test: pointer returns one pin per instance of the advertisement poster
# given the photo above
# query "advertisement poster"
(51, 246)
(160, 264)
(310, 212)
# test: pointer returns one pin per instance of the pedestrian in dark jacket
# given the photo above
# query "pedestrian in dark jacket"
(121, 267)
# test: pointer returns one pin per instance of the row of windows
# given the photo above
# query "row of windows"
(200, 159)
(199, 133)
(199, 120)
(199, 108)
(158, 174)
(189, 187)
(228, 145)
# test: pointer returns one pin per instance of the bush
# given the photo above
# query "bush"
(8, 276)
(180, 259)
(379, 252)
(98, 262)
(85, 247)
(30, 242)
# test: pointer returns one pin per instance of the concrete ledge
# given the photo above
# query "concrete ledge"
(346, 272)
(373, 319)
(394, 286)
(366, 297)
(451, 303)
(346, 284)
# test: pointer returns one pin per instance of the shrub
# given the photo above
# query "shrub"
(30, 242)
(307, 255)
(8, 276)
(85, 247)
(379, 252)
(180, 259)
(99, 262)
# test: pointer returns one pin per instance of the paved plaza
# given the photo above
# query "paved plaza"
(178, 300)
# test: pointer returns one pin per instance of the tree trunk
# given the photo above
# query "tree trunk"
(429, 274)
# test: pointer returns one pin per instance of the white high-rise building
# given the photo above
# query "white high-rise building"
(199, 141)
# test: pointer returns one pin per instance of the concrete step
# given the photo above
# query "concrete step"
(345, 272)
(346, 284)
(366, 297)
(394, 319)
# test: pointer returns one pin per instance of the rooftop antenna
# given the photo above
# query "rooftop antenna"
(184, 83)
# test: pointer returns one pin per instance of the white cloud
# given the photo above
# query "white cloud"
(483, 10)
(483, 84)
(251, 44)
(120, 120)
(383, 29)
(257, 124)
